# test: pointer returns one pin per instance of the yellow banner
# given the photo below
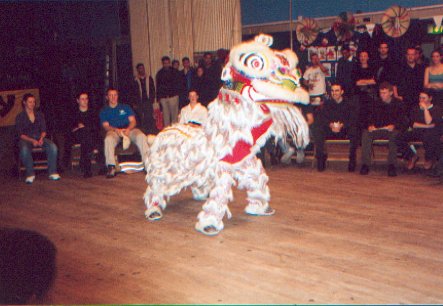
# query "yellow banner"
(11, 104)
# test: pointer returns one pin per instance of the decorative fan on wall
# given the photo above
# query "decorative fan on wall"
(344, 26)
(307, 31)
(395, 21)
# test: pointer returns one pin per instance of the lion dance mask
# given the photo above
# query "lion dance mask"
(256, 102)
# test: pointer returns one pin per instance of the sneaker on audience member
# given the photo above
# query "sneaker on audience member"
(111, 171)
(30, 179)
(54, 177)
(286, 158)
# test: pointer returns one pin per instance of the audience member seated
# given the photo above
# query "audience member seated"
(433, 78)
(85, 130)
(31, 128)
(118, 120)
(315, 78)
(384, 122)
(27, 267)
(337, 119)
(409, 80)
(282, 148)
(425, 121)
(193, 113)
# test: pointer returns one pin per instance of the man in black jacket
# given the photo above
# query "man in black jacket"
(168, 89)
(384, 121)
(336, 120)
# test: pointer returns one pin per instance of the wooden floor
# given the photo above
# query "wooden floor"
(337, 238)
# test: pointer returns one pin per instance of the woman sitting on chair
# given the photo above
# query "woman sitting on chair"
(426, 119)
(31, 128)
(85, 130)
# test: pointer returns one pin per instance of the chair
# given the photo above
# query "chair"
(335, 154)
(40, 160)
(75, 156)
(130, 156)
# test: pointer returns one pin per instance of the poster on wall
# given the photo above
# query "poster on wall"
(11, 104)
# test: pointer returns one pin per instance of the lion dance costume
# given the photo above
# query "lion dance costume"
(256, 101)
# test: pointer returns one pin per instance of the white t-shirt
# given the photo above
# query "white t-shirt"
(316, 77)
(199, 114)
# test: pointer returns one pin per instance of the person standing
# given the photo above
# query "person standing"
(145, 90)
(168, 89)
(315, 78)
(410, 80)
(345, 67)
(186, 74)
(433, 78)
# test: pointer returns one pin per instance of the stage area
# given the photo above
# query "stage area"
(336, 238)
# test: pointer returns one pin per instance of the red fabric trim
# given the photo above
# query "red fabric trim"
(238, 77)
(242, 148)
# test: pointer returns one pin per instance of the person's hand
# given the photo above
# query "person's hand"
(390, 127)
(125, 132)
(34, 143)
(371, 128)
(422, 106)
(80, 126)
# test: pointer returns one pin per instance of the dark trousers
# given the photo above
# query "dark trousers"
(322, 132)
(145, 116)
(429, 137)
(88, 140)
(366, 145)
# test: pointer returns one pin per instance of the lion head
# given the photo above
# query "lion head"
(271, 74)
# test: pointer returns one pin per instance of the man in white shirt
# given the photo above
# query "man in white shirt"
(194, 112)
(315, 78)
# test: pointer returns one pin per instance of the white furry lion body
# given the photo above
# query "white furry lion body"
(255, 103)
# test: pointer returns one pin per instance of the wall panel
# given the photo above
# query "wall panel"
(179, 28)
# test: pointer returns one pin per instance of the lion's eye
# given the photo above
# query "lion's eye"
(254, 61)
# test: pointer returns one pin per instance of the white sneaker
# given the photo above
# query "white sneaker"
(30, 179)
(286, 158)
(54, 177)
(300, 158)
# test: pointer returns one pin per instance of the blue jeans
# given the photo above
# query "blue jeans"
(26, 156)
